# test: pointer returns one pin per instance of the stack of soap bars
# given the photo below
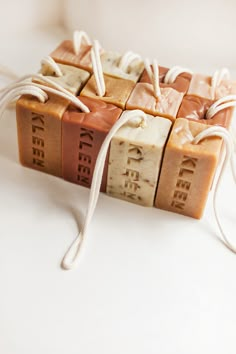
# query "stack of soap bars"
(156, 165)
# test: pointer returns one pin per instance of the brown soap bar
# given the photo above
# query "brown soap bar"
(39, 132)
(162, 74)
(196, 107)
(187, 170)
(82, 137)
(117, 90)
(167, 105)
(65, 54)
(181, 83)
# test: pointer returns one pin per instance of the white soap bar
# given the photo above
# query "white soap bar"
(73, 79)
(135, 158)
(110, 65)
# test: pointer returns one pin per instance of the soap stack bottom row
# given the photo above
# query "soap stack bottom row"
(152, 165)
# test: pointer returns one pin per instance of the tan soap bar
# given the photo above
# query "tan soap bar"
(196, 107)
(117, 90)
(39, 132)
(181, 83)
(110, 64)
(135, 159)
(73, 79)
(167, 105)
(65, 54)
(187, 170)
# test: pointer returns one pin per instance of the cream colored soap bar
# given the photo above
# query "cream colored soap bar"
(135, 158)
(73, 79)
(187, 170)
(110, 65)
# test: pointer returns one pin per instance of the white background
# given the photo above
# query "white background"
(148, 282)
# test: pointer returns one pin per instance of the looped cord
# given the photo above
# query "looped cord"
(153, 76)
(27, 89)
(97, 69)
(219, 105)
(221, 132)
(127, 59)
(174, 72)
(56, 89)
(78, 36)
(138, 119)
(217, 78)
(51, 64)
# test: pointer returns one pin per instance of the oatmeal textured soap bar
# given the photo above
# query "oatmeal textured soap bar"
(111, 66)
(73, 79)
(188, 170)
(82, 137)
(39, 132)
(135, 158)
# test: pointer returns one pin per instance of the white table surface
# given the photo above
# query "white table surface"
(149, 281)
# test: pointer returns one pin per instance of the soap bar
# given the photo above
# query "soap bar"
(226, 87)
(110, 64)
(201, 85)
(117, 90)
(187, 170)
(196, 107)
(39, 132)
(65, 54)
(181, 83)
(82, 137)
(73, 79)
(135, 159)
(162, 73)
(142, 97)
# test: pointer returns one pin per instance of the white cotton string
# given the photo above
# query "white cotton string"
(222, 103)
(56, 89)
(153, 76)
(127, 59)
(22, 90)
(97, 69)
(137, 119)
(217, 78)
(49, 62)
(174, 72)
(78, 36)
(221, 132)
